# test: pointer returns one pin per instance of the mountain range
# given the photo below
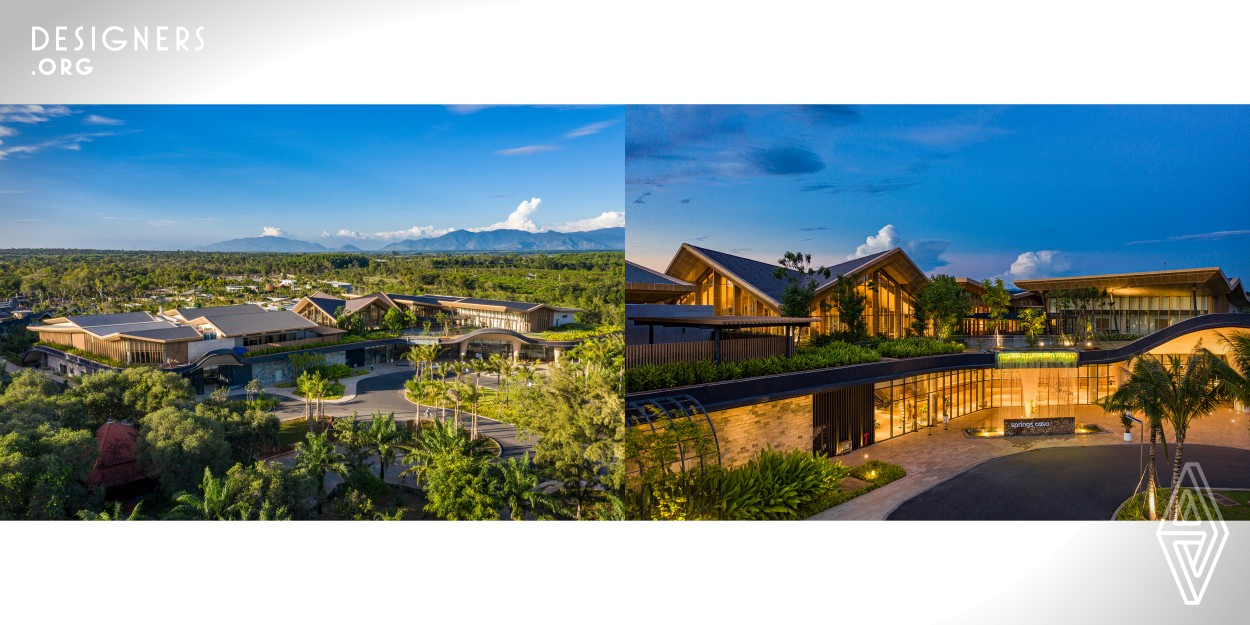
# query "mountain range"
(454, 241)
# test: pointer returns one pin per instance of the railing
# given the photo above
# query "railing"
(731, 350)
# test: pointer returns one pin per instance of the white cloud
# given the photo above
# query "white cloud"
(272, 231)
(72, 142)
(1040, 264)
(606, 219)
(526, 150)
(885, 239)
(589, 129)
(100, 120)
(927, 254)
(415, 232)
(519, 219)
(31, 113)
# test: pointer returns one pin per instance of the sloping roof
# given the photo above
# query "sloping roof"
(357, 303)
(477, 302)
(117, 463)
(247, 319)
(637, 274)
(759, 276)
(424, 300)
(1212, 277)
(134, 324)
(328, 304)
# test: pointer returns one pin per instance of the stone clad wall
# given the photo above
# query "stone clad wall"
(280, 370)
(783, 425)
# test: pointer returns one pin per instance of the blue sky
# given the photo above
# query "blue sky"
(160, 177)
(978, 191)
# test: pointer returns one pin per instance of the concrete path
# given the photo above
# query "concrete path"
(931, 459)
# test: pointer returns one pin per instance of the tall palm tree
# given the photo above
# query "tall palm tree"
(1141, 398)
(1185, 389)
(422, 356)
(384, 436)
(479, 366)
(418, 389)
(471, 394)
(316, 455)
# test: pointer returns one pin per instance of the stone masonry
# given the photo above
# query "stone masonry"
(783, 425)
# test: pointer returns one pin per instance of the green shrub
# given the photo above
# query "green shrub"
(1116, 336)
(650, 377)
(916, 346)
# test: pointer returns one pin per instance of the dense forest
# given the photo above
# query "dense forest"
(107, 281)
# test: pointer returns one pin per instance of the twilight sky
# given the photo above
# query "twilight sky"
(160, 177)
(978, 191)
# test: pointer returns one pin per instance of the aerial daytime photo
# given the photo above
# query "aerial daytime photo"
(311, 312)
(937, 312)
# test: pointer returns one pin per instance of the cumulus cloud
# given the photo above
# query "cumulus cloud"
(589, 129)
(344, 233)
(606, 219)
(1040, 264)
(927, 253)
(415, 232)
(272, 231)
(519, 219)
(527, 150)
(100, 120)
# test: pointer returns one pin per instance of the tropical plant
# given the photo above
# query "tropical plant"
(850, 304)
(945, 303)
(384, 436)
(517, 488)
(801, 282)
(316, 455)
(997, 301)
(115, 515)
(1034, 322)
(1179, 390)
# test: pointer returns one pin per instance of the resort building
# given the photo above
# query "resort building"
(733, 285)
(837, 410)
(1135, 303)
(126, 338)
(249, 326)
(467, 312)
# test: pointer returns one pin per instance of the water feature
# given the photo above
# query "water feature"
(1046, 379)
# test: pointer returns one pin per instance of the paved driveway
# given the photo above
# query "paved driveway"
(385, 393)
(1061, 483)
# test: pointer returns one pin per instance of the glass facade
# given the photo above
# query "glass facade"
(913, 403)
(887, 307)
(1136, 314)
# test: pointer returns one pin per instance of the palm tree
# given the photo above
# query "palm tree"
(384, 437)
(442, 439)
(1239, 359)
(418, 389)
(1185, 390)
(479, 366)
(316, 455)
(116, 515)
(214, 505)
(313, 387)
(423, 356)
(1140, 398)
(517, 487)
(471, 394)
(253, 387)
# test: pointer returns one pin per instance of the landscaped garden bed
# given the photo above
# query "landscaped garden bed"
(837, 354)
(1233, 505)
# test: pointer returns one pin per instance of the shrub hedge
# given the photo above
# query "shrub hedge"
(837, 354)
(911, 347)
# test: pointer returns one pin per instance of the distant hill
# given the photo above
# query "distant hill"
(515, 240)
(263, 244)
(455, 241)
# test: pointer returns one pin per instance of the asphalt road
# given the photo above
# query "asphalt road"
(1062, 483)
(385, 393)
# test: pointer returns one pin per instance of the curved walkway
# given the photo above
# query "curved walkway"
(1075, 483)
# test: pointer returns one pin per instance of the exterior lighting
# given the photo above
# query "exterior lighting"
(872, 475)
(1041, 343)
